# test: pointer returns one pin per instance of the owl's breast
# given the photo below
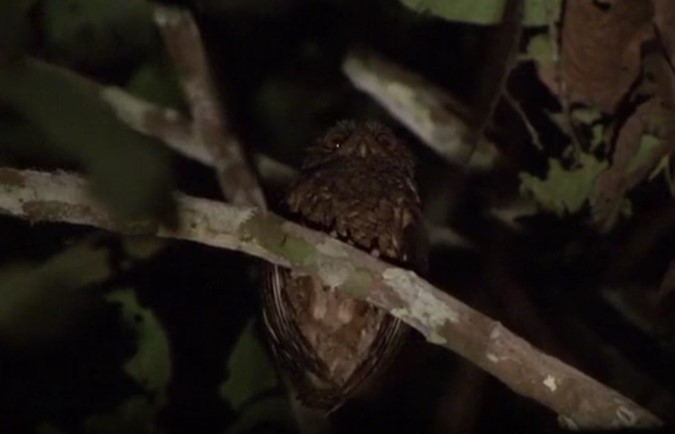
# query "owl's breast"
(367, 205)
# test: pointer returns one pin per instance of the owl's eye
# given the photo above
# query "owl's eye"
(335, 142)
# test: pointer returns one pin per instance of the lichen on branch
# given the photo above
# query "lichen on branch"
(581, 401)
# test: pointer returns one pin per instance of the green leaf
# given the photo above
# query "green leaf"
(540, 50)
(251, 371)
(648, 146)
(252, 387)
(127, 170)
(486, 12)
(664, 166)
(586, 115)
(139, 248)
(98, 33)
(151, 365)
(47, 301)
(13, 29)
(157, 82)
(564, 190)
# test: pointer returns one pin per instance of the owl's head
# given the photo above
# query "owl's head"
(350, 141)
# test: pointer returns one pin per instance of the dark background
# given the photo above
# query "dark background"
(278, 68)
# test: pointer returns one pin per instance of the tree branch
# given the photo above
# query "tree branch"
(426, 109)
(183, 42)
(175, 131)
(163, 123)
(581, 401)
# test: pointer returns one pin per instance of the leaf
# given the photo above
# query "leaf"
(13, 29)
(636, 154)
(252, 387)
(151, 365)
(596, 72)
(126, 169)
(540, 50)
(649, 145)
(158, 83)
(139, 248)
(664, 166)
(134, 416)
(564, 190)
(486, 12)
(251, 371)
(44, 302)
(586, 115)
(98, 33)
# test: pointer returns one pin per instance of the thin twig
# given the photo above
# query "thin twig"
(501, 57)
(518, 108)
(165, 124)
(175, 131)
(559, 64)
(581, 401)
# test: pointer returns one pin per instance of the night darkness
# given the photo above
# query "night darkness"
(583, 270)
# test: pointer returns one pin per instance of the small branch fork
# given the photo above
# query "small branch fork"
(209, 120)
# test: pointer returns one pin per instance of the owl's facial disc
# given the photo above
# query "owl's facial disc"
(367, 141)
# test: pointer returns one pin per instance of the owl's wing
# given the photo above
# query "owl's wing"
(389, 218)
(393, 332)
(288, 343)
(391, 336)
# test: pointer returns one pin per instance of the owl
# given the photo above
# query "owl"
(356, 184)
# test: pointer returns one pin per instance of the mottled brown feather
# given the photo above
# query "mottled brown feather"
(357, 184)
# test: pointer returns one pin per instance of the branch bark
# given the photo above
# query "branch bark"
(183, 42)
(580, 401)
(175, 131)
(426, 109)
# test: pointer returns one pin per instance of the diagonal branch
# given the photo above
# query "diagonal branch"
(581, 401)
(183, 42)
(426, 109)
(165, 124)
(501, 57)
(176, 132)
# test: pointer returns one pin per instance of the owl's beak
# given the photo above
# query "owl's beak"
(363, 148)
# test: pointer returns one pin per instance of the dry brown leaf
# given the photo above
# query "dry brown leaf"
(629, 167)
(601, 49)
(658, 72)
(664, 19)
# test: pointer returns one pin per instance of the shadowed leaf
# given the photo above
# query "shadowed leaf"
(564, 190)
(485, 12)
(151, 365)
(126, 170)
